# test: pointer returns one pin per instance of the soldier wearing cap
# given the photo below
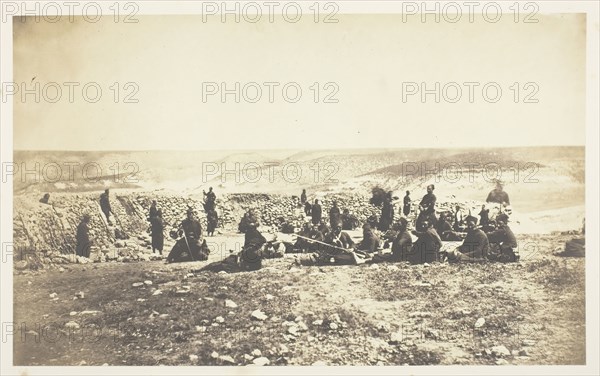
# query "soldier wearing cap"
(251, 255)
(427, 247)
(503, 242)
(475, 247)
(83, 237)
(427, 207)
(188, 247)
(370, 242)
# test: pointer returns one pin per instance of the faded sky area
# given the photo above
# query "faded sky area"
(369, 58)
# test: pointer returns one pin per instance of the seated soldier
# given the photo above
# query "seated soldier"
(503, 243)
(251, 254)
(189, 247)
(427, 247)
(370, 242)
(401, 244)
(444, 230)
(341, 249)
(475, 247)
(324, 229)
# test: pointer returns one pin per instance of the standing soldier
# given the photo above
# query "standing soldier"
(427, 208)
(105, 205)
(153, 211)
(334, 216)
(83, 237)
(211, 198)
(157, 227)
(212, 218)
(484, 216)
(407, 201)
(316, 213)
(387, 213)
(303, 197)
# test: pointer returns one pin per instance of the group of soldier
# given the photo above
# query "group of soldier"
(491, 240)
(189, 245)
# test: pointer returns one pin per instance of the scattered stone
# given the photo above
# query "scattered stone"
(227, 359)
(148, 283)
(214, 355)
(220, 319)
(193, 358)
(501, 362)
(53, 295)
(528, 342)
(262, 361)
(73, 313)
(259, 315)
(230, 304)
(396, 337)
(247, 357)
(283, 349)
(80, 295)
(256, 353)
(500, 351)
(208, 299)
(157, 292)
(302, 327)
(333, 326)
(200, 329)
(269, 297)
(137, 284)
(480, 322)
(83, 363)
(293, 330)
(141, 299)
(182, 292)
(72, 325)
(420, 314)
(317, 322)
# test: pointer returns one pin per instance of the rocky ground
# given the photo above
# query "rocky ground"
(151, 313)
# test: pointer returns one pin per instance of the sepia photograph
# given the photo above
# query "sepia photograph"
(389, 187)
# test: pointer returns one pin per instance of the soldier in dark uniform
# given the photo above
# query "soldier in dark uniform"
(498, 196)
(475, 247)
(83, 237)
(387, 213)
(406, 207)
(335, 216)
(303, 197)
(402, 244)
(307, 208)
(105, 205)
(503, 243)
(370, 242)
(157, 227)
(211, 198)
(340, 242)
(427, 247)
(316, 213)
(212, 219)
(188, 247)
(153, 211)
(484, 216)
(251, 255)
(427, 207)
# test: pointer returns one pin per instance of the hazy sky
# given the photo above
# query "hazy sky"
(368, 57)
